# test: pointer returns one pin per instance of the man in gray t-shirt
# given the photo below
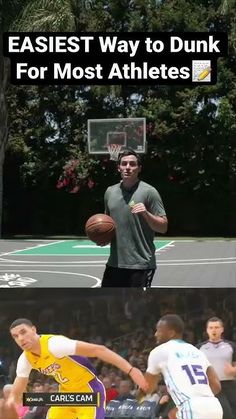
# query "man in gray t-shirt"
(222, 355)
(138, 212)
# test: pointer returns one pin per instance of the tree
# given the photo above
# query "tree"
(191, 131)
(9, 10)
(17, 15)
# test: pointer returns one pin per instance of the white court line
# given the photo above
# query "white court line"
(53, 265)
(196, 260)
(91, 262)
(36, 240)
(39, 262)
(184, 241)
(52, 254)
(95, 264)
(94, 246)
(170, 243)
(199, 263)
(89, 246)
(98, 281)
(186, 286)
(204, 240)
(31, 247)
(14, 253)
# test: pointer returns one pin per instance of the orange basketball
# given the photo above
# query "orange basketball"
(100, 228)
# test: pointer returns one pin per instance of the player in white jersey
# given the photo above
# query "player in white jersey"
(190, 379)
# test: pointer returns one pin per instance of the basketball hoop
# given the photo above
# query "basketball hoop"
(114, 151)
(128, 132)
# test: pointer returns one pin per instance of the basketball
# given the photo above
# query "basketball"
(100, 228)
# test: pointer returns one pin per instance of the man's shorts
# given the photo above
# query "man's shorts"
(200, 408)
(121, 277)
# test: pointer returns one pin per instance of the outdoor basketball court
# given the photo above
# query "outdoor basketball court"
(80, 263)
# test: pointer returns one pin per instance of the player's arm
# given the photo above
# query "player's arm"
(153, 212)
(8, 407)
(106, 209)
(152, 383)
(18, 388)
(153, 374)
(22, 377)
(230, 369)
(156, 222)
(106, 355)
(213, 379)
(7, 410)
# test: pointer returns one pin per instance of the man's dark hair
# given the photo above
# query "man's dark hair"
(215, 319)
(130, 152)
(17, 322)
(37, 383)
(174, 322)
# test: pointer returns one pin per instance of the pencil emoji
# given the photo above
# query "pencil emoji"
(132, 204)
(204, 73)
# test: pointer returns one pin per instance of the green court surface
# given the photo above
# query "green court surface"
(75, 247)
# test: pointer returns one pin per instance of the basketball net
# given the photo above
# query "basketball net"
(114, 151)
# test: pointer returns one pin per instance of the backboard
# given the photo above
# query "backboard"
(125, 132)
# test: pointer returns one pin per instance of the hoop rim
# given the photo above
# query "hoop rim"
(114, 150)
(114, 145)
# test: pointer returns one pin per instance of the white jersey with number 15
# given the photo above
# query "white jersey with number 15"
(184, 370)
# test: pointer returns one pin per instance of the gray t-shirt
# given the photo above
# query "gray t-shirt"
(218, 353)
(133, 246)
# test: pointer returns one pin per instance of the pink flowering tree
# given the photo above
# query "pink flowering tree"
(77, 173)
